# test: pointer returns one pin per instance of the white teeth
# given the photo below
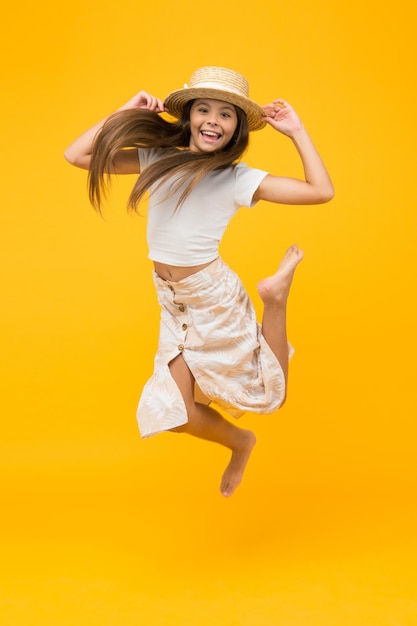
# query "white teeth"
(210, 133)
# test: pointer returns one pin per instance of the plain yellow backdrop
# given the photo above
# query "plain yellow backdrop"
(321, 532)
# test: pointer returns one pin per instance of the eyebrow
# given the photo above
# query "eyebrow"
(224, 106)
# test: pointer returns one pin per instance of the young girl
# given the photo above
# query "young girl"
(211, 348)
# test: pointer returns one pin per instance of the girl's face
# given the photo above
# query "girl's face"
(212, 124)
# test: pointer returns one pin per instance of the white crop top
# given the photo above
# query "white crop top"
(191, 234)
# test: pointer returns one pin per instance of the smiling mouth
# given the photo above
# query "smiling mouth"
(211, 135)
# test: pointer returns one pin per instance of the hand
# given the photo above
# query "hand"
(281, 116)
(144, 100)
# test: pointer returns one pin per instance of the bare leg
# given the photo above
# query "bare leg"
(205, 423)
(274, 292)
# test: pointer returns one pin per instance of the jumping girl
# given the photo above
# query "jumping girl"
(211, 348)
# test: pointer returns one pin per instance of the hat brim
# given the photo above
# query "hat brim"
(176, 101)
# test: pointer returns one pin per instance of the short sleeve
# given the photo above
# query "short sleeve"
(248, 180)
(147, 156)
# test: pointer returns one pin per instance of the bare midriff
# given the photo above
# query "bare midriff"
(174, 273)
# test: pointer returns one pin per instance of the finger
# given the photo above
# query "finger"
(270, 109)
(275, 106)
(280, 102)
(152, 104)
(161, 107)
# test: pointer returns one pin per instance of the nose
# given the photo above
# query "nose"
(213, 119)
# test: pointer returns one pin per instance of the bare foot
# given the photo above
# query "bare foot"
(275, 289)
(234, 471)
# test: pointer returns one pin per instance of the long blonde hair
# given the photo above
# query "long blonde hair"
(137, 128)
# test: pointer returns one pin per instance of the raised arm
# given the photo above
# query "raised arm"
(316, 187)
(127, 161)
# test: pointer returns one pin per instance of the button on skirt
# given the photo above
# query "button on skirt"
(209, 319)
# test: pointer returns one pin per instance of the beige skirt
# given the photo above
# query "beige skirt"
(210, 320)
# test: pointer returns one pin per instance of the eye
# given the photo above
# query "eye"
(226, 115)
(202, 109)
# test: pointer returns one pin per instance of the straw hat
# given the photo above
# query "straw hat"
(217, 83)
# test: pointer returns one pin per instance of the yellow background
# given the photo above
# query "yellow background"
(101, 528)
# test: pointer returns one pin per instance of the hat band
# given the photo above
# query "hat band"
(210, 85)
